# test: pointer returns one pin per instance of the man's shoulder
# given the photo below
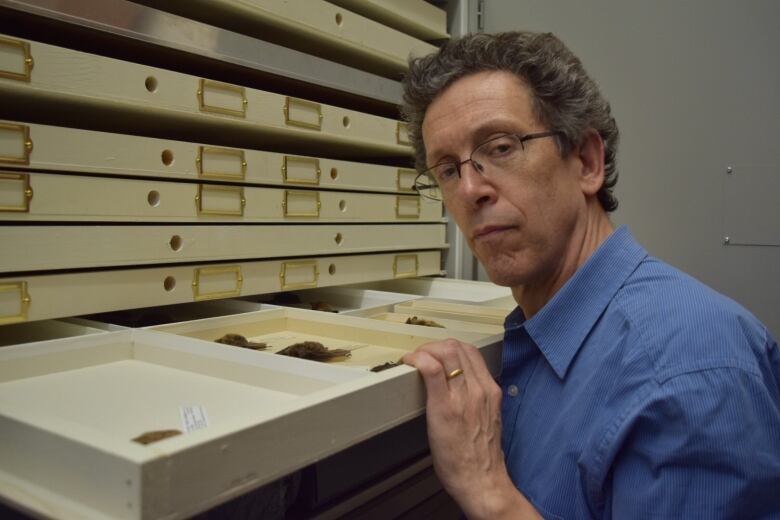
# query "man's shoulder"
(680, 322)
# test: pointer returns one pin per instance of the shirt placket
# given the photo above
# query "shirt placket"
(521, 357)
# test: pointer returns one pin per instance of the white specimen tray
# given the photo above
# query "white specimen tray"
(345, 300)
(370, 343)
(446, 288)
(69, 409)
(447, 323)
(436, 308)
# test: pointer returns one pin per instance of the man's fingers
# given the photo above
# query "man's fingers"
(432, 371)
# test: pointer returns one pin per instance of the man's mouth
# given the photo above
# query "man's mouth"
(487, 232)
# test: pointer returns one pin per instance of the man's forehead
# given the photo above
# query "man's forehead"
(474, 105)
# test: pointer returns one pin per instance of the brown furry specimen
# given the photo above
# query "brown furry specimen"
(414, 320)
(322, 306)
(154, 436)
(237, 340)
(315, 351)
(385, 366)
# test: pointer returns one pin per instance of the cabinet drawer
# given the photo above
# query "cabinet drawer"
(435, 309)
(311, 26)
(449, 289)
(422, 318)
(78, 403)
(45, 296)
(35, 248)
(370, 343)
(40, 196)
(345, 300)
(71, 87)
(414, 17)
(52, 148)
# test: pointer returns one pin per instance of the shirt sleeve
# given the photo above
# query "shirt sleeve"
(705, 445)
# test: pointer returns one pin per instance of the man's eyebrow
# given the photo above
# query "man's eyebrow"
(477, 136)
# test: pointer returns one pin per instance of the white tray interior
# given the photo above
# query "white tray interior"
(369, 342)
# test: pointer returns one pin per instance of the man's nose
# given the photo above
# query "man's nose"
(473, 185)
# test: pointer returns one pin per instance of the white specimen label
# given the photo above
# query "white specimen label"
(193, 418)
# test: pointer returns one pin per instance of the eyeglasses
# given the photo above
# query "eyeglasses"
(499, 154)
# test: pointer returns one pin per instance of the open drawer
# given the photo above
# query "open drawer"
(471, 312)
(70, 408)
(446, 288)
(346, 300)
(369, 343)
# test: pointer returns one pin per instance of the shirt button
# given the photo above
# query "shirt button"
(512, 390)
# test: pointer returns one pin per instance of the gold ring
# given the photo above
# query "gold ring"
(454, 373)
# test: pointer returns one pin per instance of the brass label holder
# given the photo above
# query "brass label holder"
(27, 63)
(205, 151)
(25, 191)
(24, 302)
(216, 86)
(399, 205)
(305, 265)
(25, 141)
(203, 273)
(237, 190)
(404, 179)
(402, 133)
(287, 164)
(403, 259)
(314, 197)
(296, 109)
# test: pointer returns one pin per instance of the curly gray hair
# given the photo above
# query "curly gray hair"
(564, 97)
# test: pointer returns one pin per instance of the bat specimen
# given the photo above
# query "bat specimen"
(414, 320)
(154, 436)
(315, 351)
(237, 340)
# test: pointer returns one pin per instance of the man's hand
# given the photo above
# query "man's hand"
(464, 430)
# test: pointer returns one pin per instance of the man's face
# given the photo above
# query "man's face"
(518, 223)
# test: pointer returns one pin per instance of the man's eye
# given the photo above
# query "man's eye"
(501, 147)
(446, 172)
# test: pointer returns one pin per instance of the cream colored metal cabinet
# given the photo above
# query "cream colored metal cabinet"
(241, 192)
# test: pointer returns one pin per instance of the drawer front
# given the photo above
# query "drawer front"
(135, 97)
(35, 248)
(38, 297)
(314, 26)
(415, 17)
(39, 196)
(43, 147)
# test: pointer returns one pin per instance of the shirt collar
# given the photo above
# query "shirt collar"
(561, 326)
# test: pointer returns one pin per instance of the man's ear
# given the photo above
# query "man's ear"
(591, 155)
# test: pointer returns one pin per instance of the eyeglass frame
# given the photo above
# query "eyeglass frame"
(477, 166)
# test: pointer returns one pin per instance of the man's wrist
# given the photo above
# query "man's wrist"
(500, 500)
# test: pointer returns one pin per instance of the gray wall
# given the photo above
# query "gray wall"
(694, 86)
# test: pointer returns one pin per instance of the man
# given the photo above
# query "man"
(628, 389)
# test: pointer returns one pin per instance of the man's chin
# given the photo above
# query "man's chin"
(503, 277)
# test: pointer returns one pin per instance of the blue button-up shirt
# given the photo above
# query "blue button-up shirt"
(638, 392)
